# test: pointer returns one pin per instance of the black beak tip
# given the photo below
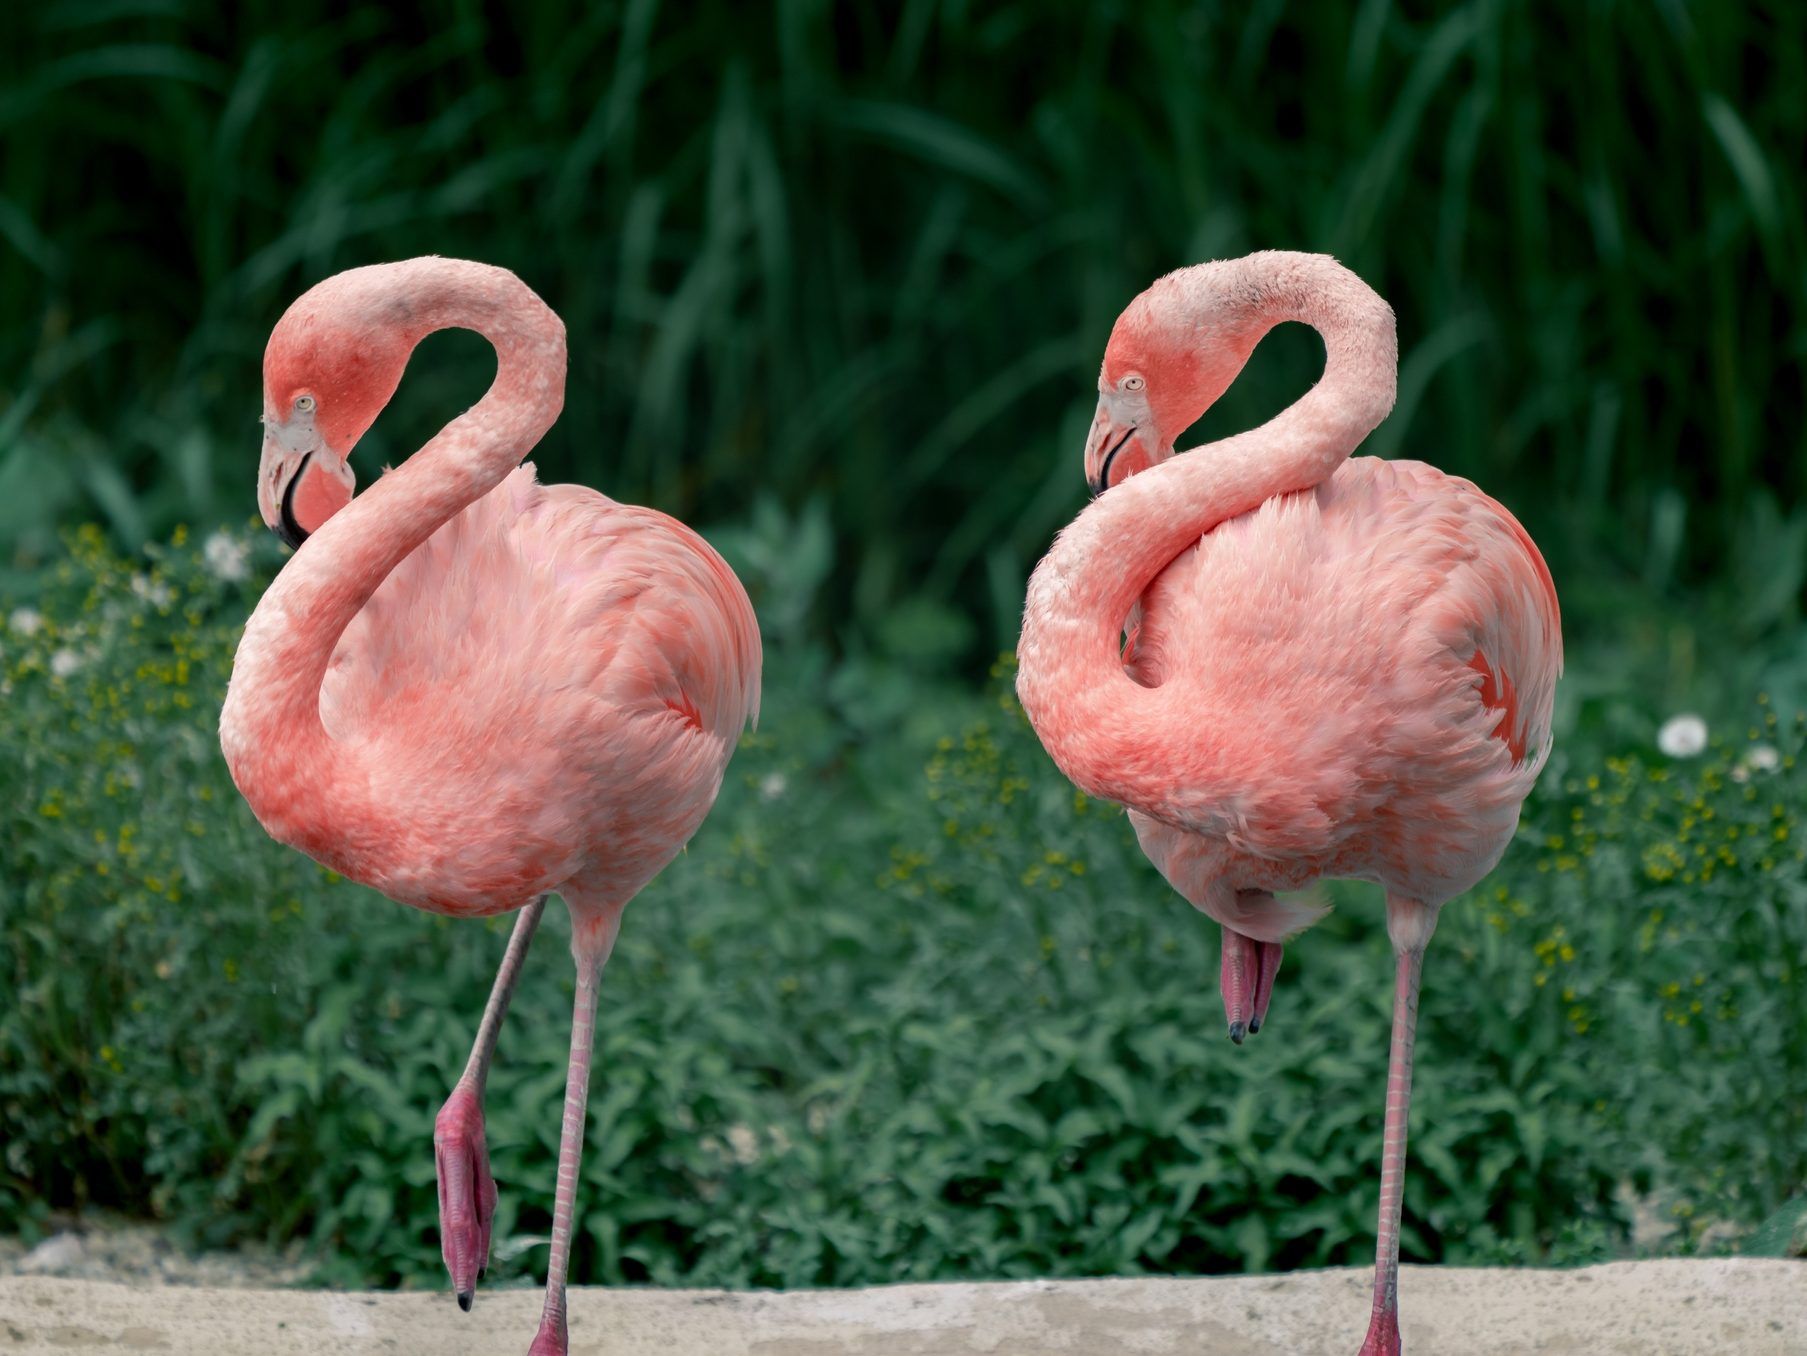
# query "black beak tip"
(1237, 1031)
(1102, 480)
(464, 1300)
(286, 527)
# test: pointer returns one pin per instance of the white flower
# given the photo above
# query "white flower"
(772, 785)
(65, 662)
(743, 1144)
(228, 557)
(153, 591)
(25, 620)
(1683, 736)
(1757, 758)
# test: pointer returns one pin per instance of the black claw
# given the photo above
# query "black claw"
(1254, 1025)
(464, 1300)
(483, 1271)
(1237, 1031)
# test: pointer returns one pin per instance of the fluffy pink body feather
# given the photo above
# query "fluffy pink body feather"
(547, 690)
(1330, 634)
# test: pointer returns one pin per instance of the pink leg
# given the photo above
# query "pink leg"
(467, 1193)
(591, 946)
(1383, 1326)
(1247, 976)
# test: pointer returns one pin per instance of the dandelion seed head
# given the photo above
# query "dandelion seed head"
(1682, 736)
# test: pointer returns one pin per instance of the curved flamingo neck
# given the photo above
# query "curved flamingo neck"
(1115, 739)
(305, 787)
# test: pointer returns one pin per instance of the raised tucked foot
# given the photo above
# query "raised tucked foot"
(1267, 966)
(1247, 976)
(1383, 1334)
(467, 1193)
(551, 1339)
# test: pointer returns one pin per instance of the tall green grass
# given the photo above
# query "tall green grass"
(867, 255)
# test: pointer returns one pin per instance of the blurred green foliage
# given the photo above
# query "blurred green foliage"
(867, 255)
(908, 1008)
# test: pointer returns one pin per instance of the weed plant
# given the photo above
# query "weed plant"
(909, 1008)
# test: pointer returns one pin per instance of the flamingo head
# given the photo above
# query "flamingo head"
(1175, 349)
(333, 361)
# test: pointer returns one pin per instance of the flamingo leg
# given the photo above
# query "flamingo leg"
(467, 1193)
(1383, 1326)
(591, 947)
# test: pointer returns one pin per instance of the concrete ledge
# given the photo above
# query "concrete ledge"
(1666, 1308)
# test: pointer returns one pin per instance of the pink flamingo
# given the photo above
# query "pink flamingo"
(468, 689)
(1335, 668)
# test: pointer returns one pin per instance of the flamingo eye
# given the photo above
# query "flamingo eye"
(1132, 383)
(304, 404)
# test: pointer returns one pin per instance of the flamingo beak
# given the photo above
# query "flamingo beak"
(291, 532)
(280, 471)
(301, 482)
(1122, 440)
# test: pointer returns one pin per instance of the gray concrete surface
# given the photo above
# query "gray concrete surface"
(1666, 1308)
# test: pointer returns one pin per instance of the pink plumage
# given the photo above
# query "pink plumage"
(584, 668)
(467, 689)
(1336, 668)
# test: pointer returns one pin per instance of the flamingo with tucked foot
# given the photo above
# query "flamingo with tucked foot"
(1337, 667)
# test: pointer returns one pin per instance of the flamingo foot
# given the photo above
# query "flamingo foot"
(551, 1340)
(467, 1193)
(1247, 976)
(1267, 965)
(1383, 1334)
